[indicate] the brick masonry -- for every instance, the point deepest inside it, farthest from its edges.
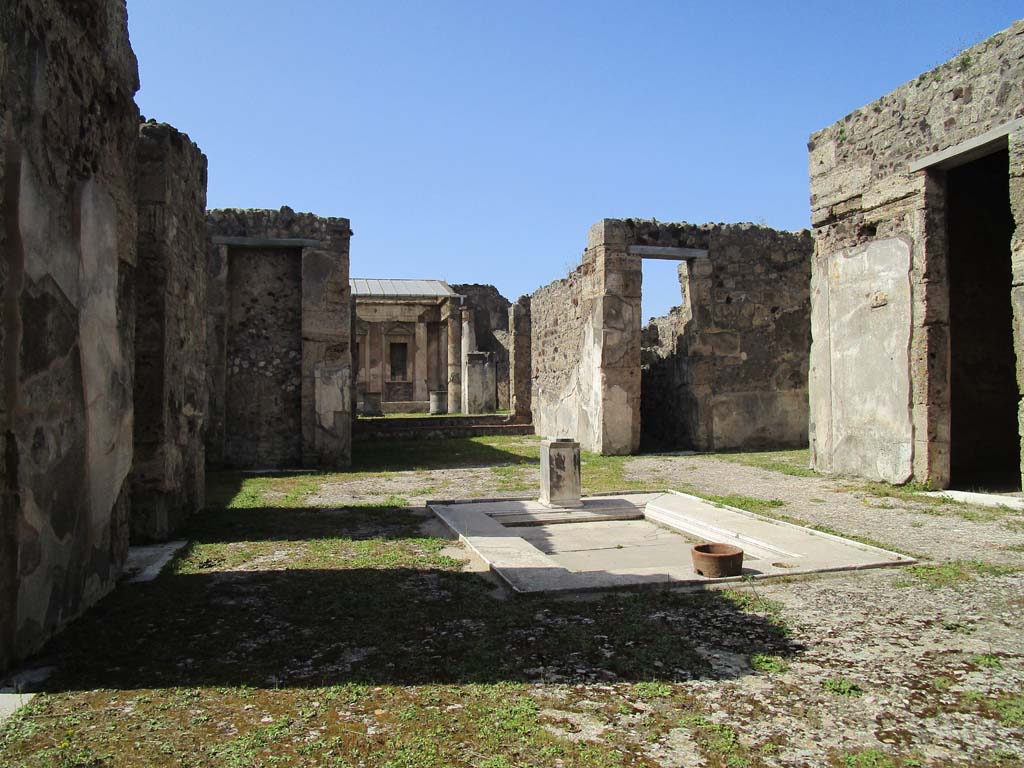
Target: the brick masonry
(168, 477)
(67, 264)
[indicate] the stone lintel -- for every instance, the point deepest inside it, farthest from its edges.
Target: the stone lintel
(266, 242)
(667, 253)
(966, 151)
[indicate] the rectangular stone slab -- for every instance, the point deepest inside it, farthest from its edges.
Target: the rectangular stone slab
(608, 546)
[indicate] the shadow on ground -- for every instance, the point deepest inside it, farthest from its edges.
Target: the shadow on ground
(268, 597)
(396, 455)
(391, 626)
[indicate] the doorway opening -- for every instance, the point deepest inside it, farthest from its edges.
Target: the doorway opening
(665, 407)
(984, 431)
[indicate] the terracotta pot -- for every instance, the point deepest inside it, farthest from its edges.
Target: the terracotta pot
(715, 561)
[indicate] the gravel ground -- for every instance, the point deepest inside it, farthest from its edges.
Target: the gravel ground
(416, 488)
(894, 670)
(886, 668)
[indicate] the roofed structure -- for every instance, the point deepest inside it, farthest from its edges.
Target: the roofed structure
(400, 289)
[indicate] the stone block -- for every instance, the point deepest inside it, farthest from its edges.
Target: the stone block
(607, 232)
(479, 385)
(560, 473)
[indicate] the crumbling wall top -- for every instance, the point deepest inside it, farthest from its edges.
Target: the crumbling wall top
(282, 223)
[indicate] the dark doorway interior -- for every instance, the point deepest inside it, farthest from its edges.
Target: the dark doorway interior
(985, 440)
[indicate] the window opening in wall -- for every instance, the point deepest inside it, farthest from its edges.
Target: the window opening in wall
(661, 288)
(399, 355)
(984, 432)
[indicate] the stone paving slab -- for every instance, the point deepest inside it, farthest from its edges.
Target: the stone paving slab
(145, 563)
(17, 690)
(599, 554)
(12, 702)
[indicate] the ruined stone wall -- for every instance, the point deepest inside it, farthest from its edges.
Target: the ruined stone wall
(270, 273)
(564, 397)
(168, 476)
(879, 380)
(585, 344)
(490, 319)
(728, 369)
(67, 257)
(520, 364)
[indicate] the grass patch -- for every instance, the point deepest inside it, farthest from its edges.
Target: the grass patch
(604, 474)
(952, 573)
(749, 600)
(841, 686)
(485, 451)
(427, 415)
(717, 741)
(875, 758)
(938, 505)
(749, 503)
(793, 463)
(767, 663)
(1009, 709)
(510, 478)
(649, 689)
(987, 661)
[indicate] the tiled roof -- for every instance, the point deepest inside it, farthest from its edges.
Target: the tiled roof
(400, 288)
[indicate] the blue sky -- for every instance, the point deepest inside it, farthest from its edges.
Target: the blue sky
(478, 141)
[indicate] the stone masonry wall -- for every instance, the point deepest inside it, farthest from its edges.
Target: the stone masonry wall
(490, 315)
(168, 476)
(728, 369)
(564, 396)
(254, 259)
(264, 356)
(879, 379)
(67, 258)
(586, 348)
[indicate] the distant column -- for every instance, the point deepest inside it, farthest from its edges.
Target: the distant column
(454, 357)
(419, 367)
(468, 345)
